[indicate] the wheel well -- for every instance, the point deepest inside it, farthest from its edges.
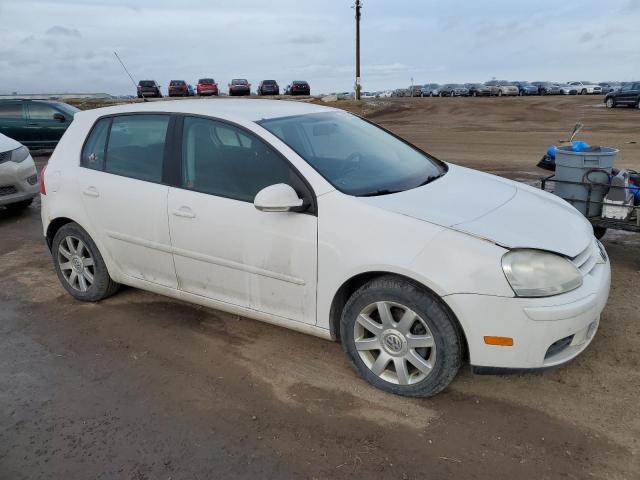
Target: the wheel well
(354, 283)
(53, 228)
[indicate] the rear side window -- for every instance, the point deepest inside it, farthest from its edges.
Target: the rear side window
(223, 160)
(41, 111)
(136, 146)
(94, 147)
(11, 110)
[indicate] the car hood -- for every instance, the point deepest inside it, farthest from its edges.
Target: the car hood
(7, 144)
(508, 213)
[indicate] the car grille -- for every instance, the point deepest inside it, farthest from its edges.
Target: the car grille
(5, 156)
(7, 190)
(588, 258)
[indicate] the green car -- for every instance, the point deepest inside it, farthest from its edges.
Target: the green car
(35, 123)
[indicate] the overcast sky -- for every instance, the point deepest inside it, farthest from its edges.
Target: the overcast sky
(67, 45)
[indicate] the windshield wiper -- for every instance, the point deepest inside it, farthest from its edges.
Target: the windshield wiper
(382, 191)
(431, 179)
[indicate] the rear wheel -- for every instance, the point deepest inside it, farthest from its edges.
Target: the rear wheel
(400, 338)
(499, 93)
(610, 103)
(583, 91)
(79, 265)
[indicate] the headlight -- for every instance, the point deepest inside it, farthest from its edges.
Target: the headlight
(535, 273)
(19, 154)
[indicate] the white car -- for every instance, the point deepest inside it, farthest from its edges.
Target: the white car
(583, 88)
(314, 219)
(18, 175)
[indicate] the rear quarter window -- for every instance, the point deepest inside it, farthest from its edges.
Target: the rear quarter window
(93, 151)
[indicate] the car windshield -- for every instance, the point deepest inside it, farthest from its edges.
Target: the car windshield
(239, 82)
(299, 82)
(269, 82)
(70, 109)
(147, 83)
(206, 80)
(176, 82)
(355, 156)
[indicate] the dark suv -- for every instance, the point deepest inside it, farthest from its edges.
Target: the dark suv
(35, 123)
(268, 87)
(628, 95)
(149, 88)
(299, 87)
(178, 88)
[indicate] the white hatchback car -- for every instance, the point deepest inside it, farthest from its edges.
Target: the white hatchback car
(320, 221)
(18, 175)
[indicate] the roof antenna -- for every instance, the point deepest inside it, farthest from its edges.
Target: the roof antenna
(132, 80)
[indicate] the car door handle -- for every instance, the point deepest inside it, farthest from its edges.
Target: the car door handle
(91, 192)
(184, 212)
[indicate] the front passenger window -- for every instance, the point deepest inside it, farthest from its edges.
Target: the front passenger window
(223, 160)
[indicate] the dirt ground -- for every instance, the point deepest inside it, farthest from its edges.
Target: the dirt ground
(144, 387)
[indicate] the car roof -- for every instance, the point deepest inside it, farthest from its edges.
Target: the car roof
(224, 108)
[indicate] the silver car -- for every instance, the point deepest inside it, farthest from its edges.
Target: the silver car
(18, 175)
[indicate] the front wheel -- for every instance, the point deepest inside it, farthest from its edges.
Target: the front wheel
(79, 265)
(584, 91)
(401, 338)
(610, 103)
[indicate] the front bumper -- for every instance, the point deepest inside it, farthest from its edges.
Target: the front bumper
(546, 332)
(18, 181)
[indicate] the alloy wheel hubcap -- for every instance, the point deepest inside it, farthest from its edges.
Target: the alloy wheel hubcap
(395, 343)
(76, 263)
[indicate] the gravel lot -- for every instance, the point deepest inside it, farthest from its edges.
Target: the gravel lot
(144, 387)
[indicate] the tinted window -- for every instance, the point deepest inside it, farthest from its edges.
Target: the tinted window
(93, 151)
(136, 146)
(223, 160)
(11, 110)
(177, 83)
(41, 111)
(147, 83)
(206, 80)
(357, 157)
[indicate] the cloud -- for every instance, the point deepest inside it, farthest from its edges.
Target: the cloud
(57, 30)
(632, 6)
(586, 37)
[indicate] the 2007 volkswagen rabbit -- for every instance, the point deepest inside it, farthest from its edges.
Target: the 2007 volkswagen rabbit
(314, 219)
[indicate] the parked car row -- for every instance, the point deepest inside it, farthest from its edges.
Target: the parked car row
(208, 87)
(504, 88)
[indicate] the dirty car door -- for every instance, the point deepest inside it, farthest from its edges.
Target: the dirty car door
(224, 248)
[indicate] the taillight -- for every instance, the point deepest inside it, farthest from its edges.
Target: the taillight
(43, 188)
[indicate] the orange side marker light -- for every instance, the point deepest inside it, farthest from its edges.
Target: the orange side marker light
(499, 341)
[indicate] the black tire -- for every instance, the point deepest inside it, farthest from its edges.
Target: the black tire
(103, 286)
(443, 326)
(19, 205)
(610, 102)
(583, 92)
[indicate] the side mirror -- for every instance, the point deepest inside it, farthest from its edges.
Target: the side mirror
(60, 117)
(279, 198)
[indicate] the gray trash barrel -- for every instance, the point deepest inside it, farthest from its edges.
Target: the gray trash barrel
(576, 167)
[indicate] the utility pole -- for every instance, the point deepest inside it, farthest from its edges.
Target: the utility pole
(358, 6)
